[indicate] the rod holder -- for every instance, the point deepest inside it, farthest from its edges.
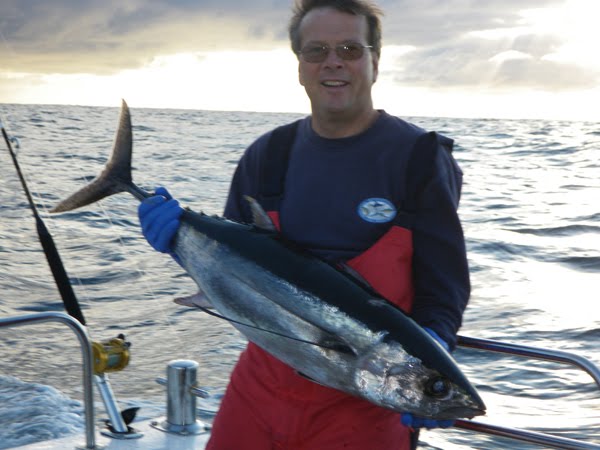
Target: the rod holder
(181, 399)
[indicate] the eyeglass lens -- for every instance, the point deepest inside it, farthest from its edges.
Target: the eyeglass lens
(318, 53)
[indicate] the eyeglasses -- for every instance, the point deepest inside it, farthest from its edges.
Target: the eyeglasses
(316, 53)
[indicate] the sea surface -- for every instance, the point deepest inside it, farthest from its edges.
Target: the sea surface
(531, 215)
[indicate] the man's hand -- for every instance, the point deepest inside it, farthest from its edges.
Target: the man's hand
(437, 337)
(159, 217)
(411, 421)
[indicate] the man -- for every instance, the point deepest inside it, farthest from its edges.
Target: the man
(353, 185)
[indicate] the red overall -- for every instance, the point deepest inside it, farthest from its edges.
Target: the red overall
(269, 406)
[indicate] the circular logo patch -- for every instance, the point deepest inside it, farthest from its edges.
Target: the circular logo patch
(377, 210)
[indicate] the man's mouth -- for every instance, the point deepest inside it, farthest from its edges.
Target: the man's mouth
(334, 83)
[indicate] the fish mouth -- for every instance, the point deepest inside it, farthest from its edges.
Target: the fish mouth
(461, 412)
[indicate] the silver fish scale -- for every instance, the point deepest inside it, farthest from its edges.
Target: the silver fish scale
(377, 368)
(220, 265)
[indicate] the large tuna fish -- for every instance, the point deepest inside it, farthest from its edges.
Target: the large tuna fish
(325, 323)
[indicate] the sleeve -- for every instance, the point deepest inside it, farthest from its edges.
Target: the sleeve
(245, 181)
(440, 266)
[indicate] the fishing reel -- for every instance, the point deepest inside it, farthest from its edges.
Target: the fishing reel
(111, 355)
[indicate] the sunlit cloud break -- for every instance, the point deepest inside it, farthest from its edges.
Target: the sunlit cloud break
(521, 59)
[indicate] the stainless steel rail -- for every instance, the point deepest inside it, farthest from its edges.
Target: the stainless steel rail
(533, 352)
(532, 437)
(86, 352)
(547, 440)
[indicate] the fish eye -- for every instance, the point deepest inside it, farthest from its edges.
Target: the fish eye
(438, 388)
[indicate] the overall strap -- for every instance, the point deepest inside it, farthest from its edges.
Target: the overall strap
(274, 166)
(419, 171)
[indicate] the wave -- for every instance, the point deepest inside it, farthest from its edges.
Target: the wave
(136, 128)
(582, 263)
(31, 412)
(591, 218)
(567, 230)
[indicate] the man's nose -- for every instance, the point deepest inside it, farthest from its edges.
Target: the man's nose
(333, 59)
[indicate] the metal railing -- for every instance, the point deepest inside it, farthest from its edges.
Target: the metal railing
(543, 354)
(86, 352)
(543, 439)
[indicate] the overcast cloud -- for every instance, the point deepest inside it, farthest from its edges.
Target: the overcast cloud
(101, 36)
(452, 43)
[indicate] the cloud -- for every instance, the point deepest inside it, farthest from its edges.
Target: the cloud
(427, 22)
(453, 43)
(492, 46)
(509, 55)
(95, 36)
(475, 63)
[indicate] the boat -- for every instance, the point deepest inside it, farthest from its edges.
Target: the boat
(181, 429)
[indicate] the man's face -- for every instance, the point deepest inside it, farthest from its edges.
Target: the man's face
(337, 86)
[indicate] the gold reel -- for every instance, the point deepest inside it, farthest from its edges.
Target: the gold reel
(111, 355)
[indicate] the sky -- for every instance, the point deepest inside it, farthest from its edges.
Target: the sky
(445, 58)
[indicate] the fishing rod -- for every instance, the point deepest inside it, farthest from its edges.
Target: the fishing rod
(108, 356)
(54, 261)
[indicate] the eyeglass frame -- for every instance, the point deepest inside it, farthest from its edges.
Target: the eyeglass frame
(338, 48)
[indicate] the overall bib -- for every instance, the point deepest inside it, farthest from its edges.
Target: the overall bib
(268, 405)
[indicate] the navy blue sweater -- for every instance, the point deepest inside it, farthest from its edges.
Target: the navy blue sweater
(327, 181)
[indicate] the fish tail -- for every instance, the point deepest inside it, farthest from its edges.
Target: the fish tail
(116, 176)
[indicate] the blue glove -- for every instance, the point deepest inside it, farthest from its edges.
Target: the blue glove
(437, 337)
(408, 420)
(159, 217)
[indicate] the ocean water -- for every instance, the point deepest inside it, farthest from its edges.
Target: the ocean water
(530, 210)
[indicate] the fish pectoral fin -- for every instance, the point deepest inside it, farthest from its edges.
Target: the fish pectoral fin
(336, 344)
(197, 300)
(259, 215)
(306, 377)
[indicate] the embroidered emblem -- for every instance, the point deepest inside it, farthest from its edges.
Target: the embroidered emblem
(377, 210)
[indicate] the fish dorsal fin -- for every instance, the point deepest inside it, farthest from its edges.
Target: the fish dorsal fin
(260, 217)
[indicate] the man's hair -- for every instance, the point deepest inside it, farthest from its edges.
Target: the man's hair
(354, 7)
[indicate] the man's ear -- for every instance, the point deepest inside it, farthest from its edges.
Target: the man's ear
(300, 77)
(375, 63)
